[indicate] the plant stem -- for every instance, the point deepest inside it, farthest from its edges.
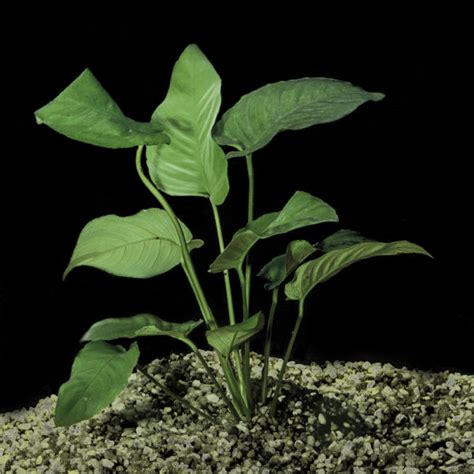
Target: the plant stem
(287, 357)
(268, 341)
(180, 399)
(186, 259)
(230, 302)
(239, 403)
(214, 380)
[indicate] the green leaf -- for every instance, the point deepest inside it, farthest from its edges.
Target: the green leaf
(84, 111)
(321, 269)
(99, 373)
(287, 105)
(138, 325)
(278, 269)
(193, 164)
(139, 246)
(341, 239)
(228, 338)
(300, 211)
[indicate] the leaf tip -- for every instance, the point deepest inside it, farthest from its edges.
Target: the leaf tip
(376, 96)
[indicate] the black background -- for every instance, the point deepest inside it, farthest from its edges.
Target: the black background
(396, 169)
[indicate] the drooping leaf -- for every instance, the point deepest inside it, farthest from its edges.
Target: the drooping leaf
(341, 239)
(138, 325)
(99, 373)
(301, 210)
(279, 268)
(316, 271)
(287, 105)
(139, 246)
(84, 111)
(193, 164)
(228, 338)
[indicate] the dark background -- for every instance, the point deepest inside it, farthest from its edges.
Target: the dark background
(393, 170)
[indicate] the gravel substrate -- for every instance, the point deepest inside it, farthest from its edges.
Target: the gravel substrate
(352, 417)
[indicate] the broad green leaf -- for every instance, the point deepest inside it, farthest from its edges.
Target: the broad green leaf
(139, 246)
(321, 269)
(138, 325)
(341, 239)
(99, 373)
(193, 164)
(300, 211)
(287, 105)
(84, 111)
(278, 269)
(228, 338)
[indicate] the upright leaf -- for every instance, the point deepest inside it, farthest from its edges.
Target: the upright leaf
(138, 325)
(99, 373)
(300, 211)
(192, 164)
(228, 338)
(84, 111)
(287, 105)
(321, 269)
(279, 268)
(139, 246)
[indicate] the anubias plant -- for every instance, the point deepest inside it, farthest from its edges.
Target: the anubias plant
(184, 157)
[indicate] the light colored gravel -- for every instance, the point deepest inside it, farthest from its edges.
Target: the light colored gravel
(353, 417)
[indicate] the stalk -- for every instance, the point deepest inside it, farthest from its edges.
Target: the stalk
(188, 266)
(268, 341)
(230, 302)
(287, 358)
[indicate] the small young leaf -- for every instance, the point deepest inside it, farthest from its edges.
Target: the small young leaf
(139, 246)
(287, 105)
(228, 338)
(322, 268)
(341, 239)
(278, 269)
(301, 210)
(99, 373)
(84, 111)
(193, 164)
(138, 325)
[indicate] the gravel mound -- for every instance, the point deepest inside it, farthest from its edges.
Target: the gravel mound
(354, 417)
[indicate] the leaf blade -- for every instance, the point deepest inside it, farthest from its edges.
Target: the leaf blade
(226, 339)
(138, 325)
(319, 270)
(286, 105)
(99, 373)
(301, 210)
(85, 112)
(139, 246)
(192, 164)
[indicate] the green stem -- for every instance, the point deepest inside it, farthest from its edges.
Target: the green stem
(186, 259)
(287, 358)
(230, 302)
(268, 341)
(180, 399)
(219, 387)
(188, 266)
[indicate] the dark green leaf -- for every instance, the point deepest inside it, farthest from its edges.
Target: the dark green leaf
(138, 325)
(228, 338)
(321, 269)
(279, 268)
(287, 105)
(99, 373)
(84, 111)
(300, 211)
(192, 164)
(139, 246)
